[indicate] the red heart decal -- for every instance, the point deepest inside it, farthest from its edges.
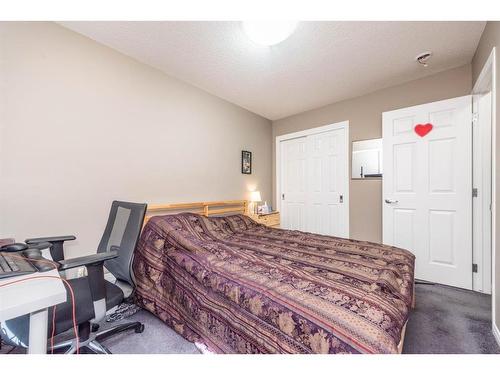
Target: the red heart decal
(423, 129)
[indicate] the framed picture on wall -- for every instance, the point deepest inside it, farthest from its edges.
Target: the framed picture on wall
(246, 162)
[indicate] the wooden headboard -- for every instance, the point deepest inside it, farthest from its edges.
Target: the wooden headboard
(203, 208)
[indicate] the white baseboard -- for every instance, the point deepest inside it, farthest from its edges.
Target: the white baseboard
(496, 333)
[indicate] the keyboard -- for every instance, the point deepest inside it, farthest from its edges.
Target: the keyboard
(14, 265)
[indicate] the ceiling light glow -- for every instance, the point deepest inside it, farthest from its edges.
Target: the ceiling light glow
(268, 33)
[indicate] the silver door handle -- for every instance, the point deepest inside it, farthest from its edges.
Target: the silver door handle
(391, 201)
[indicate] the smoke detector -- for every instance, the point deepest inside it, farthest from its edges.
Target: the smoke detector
(423, 58)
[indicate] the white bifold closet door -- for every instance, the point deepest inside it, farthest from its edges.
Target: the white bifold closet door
(427, 188)
(314, 183)
(294, 184)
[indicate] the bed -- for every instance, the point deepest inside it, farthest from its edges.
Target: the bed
(237, 286)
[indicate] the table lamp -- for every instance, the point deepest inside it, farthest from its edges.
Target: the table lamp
(254, 198)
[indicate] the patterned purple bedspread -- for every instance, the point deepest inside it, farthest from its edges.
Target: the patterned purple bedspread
(241, 287)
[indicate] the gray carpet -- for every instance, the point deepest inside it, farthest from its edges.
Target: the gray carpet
(445, 320)
(450, 320)
(156, 338)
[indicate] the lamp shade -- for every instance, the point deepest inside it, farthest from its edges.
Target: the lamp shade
(255, 196)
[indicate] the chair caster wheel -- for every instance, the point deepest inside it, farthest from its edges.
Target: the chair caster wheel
(140, 329)
(94, 327)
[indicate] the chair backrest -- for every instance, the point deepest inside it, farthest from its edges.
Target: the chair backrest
(122, 230)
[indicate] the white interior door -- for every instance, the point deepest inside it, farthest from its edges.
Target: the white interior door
(427, 188)
(314, 182)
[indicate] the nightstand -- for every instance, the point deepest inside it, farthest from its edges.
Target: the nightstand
(271, 219)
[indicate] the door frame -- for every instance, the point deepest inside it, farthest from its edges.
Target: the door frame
(487, 78)
(482, 255)
(303, 133)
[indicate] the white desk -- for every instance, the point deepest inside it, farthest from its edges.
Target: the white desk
(32, 297)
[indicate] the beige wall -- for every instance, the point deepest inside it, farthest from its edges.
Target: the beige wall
(81, 125)
(365, 121)
(490, 39)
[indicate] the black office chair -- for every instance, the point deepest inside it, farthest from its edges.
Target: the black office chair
(94, 296)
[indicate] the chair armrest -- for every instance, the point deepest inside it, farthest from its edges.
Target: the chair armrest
(50, 239)
(88, 260)
(56, 245)
(95, 270)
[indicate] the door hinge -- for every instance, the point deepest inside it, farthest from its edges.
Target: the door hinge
(283, 196)
(474, 192)
(474, 117)
(474, 267)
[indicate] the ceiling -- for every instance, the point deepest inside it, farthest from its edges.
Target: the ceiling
(320, 63)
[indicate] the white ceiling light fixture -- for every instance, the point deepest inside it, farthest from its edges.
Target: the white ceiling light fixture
(269, 33)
